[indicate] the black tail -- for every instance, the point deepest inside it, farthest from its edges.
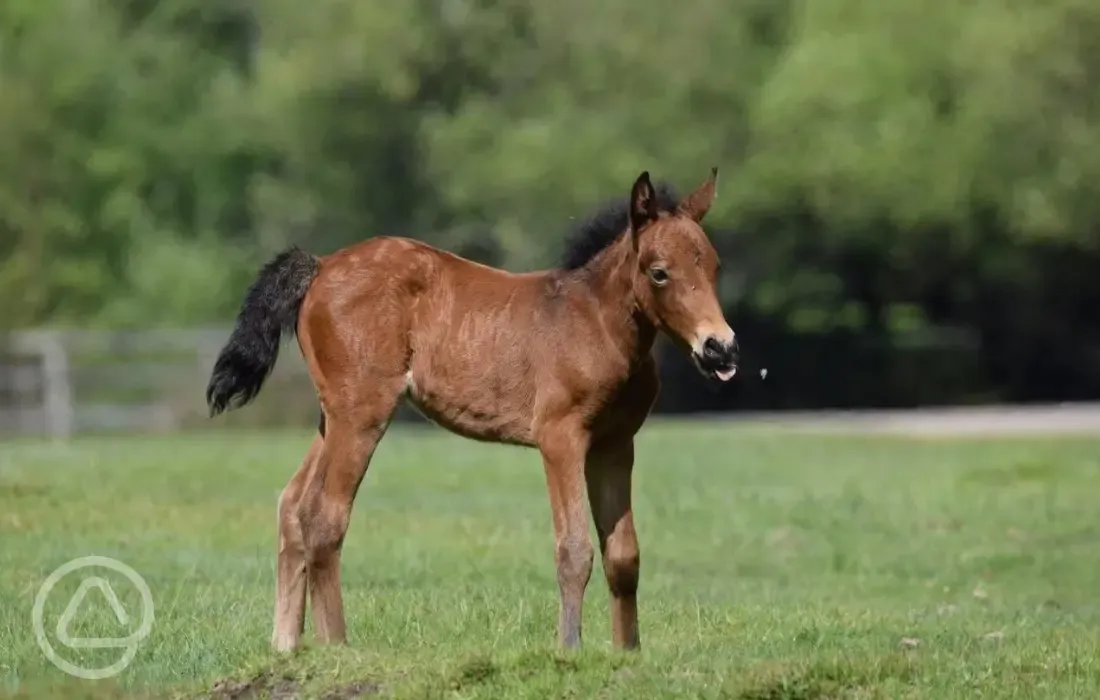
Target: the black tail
(270, 308)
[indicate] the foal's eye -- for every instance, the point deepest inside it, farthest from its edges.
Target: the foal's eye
(659, 275)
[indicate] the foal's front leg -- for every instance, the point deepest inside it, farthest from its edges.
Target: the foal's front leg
(563, 459)
(608, 471)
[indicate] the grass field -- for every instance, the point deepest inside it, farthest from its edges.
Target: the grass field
(774, 566)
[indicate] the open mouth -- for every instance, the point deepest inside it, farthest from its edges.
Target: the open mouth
(722, 373)
(725, 374)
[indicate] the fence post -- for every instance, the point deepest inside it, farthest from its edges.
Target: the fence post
(58, 402)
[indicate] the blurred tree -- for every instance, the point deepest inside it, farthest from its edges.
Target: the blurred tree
(908, 202)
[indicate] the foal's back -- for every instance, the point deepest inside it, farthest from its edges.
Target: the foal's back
(477, 349)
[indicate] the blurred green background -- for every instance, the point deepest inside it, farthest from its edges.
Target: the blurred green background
(908, 208)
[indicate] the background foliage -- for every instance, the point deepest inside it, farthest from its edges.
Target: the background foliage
(908, 208)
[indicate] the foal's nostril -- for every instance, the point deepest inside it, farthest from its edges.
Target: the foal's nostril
(717, 353)
(712, 349)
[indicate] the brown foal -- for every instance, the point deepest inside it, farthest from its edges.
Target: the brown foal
(559, 360)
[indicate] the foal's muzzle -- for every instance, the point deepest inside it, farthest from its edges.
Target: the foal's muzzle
(717, 359)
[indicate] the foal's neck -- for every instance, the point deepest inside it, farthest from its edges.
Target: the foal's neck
(611, 279)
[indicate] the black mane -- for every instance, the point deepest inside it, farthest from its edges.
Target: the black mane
(600, 230)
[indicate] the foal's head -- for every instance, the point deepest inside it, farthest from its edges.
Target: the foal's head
(675, 279)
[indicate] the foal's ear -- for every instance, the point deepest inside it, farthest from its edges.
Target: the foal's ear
(643, 203)
(698, 203)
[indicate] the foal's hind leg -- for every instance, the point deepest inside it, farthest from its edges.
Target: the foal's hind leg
(290, 581)
(608, 471)
(324, 510)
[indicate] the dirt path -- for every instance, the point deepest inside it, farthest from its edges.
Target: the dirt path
(1059, 419)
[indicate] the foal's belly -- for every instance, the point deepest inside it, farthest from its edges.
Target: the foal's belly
(478, 410)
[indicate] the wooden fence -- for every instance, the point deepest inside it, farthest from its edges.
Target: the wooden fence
(61, 383)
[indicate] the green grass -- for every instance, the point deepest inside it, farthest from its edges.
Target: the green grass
(774, 566)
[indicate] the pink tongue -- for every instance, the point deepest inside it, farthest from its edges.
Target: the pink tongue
(726, 374)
